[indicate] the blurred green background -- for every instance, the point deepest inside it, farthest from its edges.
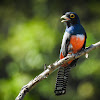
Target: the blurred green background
(31, 35)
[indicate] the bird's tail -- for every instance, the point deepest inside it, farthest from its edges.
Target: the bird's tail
(61, 81)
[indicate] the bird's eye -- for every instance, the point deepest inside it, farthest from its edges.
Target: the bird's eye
(72, 16)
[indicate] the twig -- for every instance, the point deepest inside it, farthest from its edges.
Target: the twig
(25, 89)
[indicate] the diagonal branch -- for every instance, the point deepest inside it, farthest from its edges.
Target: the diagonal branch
(25, 89)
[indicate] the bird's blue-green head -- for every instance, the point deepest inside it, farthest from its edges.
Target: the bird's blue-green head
(70, 18)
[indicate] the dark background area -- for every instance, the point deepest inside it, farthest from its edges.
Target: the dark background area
(30, 36)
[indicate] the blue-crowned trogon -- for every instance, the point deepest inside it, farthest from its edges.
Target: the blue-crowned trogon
(74, 40)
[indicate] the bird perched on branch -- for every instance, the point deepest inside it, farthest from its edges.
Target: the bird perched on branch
(74, 40)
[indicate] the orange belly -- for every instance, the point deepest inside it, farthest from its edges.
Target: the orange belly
(77, 42)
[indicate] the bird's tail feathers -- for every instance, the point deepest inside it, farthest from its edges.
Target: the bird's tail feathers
(62, 80)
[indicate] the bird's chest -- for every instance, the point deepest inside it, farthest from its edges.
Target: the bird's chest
(76, 43)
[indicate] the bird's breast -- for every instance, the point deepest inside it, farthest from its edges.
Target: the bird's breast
(76, 42)
(75, 45)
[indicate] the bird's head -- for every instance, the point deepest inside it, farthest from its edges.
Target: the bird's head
(70, 18)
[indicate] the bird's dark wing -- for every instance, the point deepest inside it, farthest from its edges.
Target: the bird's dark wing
(65, 43)
(85, 41)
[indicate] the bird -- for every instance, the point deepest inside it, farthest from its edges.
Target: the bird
(74, 40)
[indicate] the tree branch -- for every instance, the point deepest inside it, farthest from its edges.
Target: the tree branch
(25, 89)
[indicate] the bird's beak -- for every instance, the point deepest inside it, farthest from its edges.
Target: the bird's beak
(64, 18)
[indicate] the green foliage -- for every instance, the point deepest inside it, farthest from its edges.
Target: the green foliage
(30, 36)
(28, 41)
